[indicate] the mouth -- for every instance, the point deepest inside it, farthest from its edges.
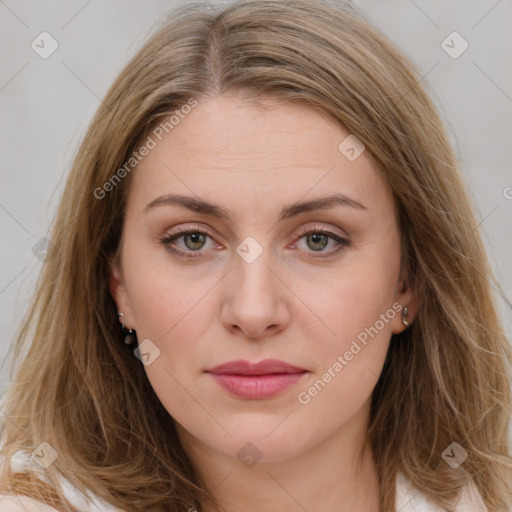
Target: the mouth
(256, 381)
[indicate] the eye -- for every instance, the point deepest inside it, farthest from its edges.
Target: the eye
(193, 240)
(318, 239)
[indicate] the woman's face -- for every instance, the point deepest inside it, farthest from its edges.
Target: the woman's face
(260, 277)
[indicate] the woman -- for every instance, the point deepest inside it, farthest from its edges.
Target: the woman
(267, 211)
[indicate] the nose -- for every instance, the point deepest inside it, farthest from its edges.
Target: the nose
(255, 299)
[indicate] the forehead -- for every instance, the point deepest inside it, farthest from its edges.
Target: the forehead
(243, 152)
(230, 128)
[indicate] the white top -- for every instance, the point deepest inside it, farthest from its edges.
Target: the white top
(22, 461)
(408, 499)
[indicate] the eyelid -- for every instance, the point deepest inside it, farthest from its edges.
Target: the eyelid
(317, 227)
(183, 230)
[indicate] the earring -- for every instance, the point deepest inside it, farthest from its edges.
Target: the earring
(130, 335)
(405, 315)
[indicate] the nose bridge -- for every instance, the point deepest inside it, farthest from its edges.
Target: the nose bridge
(254, 300)
(252, 270)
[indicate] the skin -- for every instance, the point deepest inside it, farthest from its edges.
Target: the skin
(288, 304)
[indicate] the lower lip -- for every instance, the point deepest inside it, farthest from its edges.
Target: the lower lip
(257, 386)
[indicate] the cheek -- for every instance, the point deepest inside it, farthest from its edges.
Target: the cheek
(354, 299)
(356, 306)
(170, 309)
(163, 299)
(350, 361)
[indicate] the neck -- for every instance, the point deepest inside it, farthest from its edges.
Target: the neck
(328, 476)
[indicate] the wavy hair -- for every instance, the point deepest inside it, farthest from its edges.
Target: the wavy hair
(446, 379)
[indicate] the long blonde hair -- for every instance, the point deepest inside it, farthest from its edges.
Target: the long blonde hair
(77, 387)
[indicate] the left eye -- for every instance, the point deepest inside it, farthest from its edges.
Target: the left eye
(318, 239)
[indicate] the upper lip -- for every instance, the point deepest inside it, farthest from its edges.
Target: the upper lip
(265, 367)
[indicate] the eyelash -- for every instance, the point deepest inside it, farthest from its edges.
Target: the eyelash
(342, 242)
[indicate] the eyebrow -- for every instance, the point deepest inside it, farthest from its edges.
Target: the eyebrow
(206, 208)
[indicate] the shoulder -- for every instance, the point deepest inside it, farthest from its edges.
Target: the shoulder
(21, 462)
(14, 503)
(410, 499)
(471, 500)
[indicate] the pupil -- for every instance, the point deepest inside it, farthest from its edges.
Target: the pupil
(195, 239)
(316, 238)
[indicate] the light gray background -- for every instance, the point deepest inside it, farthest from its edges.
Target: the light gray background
(46, 105)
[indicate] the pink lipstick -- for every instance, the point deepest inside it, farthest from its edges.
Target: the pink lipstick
(256, 381)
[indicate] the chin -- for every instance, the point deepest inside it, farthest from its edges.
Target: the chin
(266, 445)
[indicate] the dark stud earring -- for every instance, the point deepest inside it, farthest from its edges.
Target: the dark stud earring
(129, 334)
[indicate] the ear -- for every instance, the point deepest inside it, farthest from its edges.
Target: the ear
(118, 291)
(408, 296)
